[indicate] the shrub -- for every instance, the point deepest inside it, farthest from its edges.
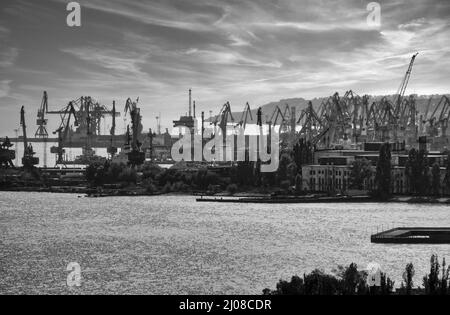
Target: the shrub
(232, 189)
(285, 185)
(128, 175)
(167, 188)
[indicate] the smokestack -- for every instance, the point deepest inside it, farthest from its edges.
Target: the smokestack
(194, 109)
(190, 103)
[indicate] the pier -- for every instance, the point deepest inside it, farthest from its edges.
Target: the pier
(285, 200)
(415, 235)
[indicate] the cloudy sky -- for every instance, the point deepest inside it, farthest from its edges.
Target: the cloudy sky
(228, 50)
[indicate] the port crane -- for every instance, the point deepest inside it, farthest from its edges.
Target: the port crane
(441, 116)
(136, 156)
(112, 149)
(88, 111)
(225, 115)
(404, 84)
(273, 120)
(310, 122)
(41, 122)
(244, 118)
(63, 132)
(29, 161)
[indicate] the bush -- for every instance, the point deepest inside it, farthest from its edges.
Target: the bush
(150, 170)
(128, 175)
(167, 188)
(232, 189)
(114, 172)
(150, 187)
(285, 185)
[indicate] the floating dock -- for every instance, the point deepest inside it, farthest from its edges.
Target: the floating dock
(285, 200)
(416, 235)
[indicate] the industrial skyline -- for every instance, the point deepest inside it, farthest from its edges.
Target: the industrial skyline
(252, 51)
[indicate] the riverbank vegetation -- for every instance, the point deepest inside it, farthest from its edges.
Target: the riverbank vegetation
(424, 180)
(351, 281)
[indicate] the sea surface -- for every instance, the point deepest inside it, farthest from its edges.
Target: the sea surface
(173, 245)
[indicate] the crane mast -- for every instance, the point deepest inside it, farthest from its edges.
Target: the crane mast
(28, 160)
(404, 84)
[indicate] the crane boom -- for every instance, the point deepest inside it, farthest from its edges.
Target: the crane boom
(24, 128)
(402, 89)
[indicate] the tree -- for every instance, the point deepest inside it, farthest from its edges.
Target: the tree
(447, 175)
(128, 175)
(282, 174)
(431, 281)
(408, 276)
(292, 172)
(303, 153)
(232, 189)
(361, 170)
(298, 184)
(417, 171)
(387, 285)
(383, 174)
(436, 179)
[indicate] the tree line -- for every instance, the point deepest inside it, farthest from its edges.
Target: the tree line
(351, 281)
(423, 179)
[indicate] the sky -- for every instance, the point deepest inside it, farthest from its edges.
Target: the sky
(255, 51)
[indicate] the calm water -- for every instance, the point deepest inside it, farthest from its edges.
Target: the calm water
(172, 245)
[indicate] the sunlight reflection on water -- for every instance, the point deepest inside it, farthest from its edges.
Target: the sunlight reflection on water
(172, 245)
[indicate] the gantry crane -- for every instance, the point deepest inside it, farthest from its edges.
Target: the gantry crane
(63, 131)
(89, 113)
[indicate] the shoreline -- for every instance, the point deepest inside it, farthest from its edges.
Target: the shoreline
(255, 198)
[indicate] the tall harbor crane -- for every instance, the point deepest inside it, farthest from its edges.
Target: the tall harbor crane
(41, 121)
(225, 116)
(112, 149)
(41, 132)
(402, 89)
(63, 132)
(136, 156)
(29, 161)
(273, 120)
(244, 118)
(310, 122)
(440, 117)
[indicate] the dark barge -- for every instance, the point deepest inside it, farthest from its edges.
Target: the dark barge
(285, 200)
(416, 235)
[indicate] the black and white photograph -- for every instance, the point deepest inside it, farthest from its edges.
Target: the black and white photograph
(225, 152)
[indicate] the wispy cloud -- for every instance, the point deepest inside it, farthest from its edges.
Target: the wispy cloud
(8, 57)
(5, 88)
(120, 62)
(226, 50)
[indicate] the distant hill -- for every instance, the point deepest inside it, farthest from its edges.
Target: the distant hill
(301, 103)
